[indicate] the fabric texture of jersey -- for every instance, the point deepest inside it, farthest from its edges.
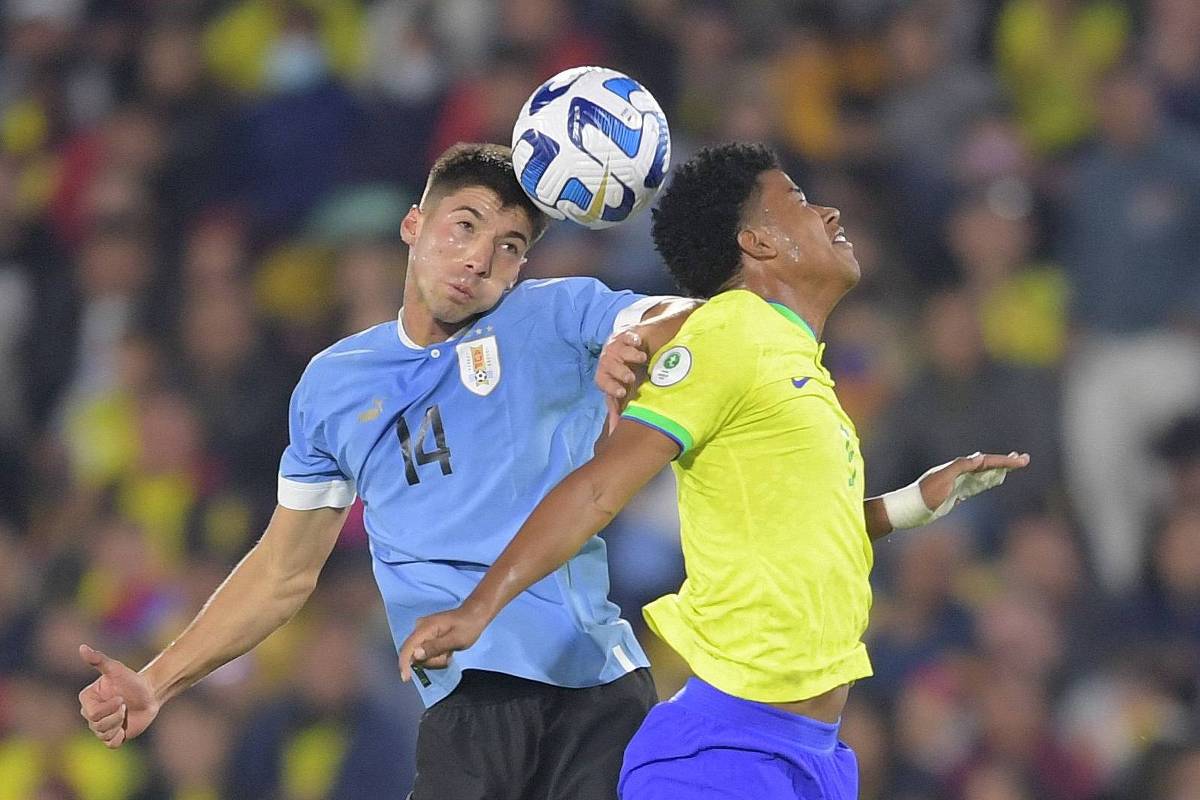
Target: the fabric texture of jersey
(451, 447)
(770, 483)
(704, 744)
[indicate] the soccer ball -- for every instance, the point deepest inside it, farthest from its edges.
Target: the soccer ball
(591, 145)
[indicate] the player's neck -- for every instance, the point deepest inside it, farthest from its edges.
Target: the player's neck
(423, 329)
(811, 304)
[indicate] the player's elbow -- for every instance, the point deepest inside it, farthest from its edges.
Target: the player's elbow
(601, 503)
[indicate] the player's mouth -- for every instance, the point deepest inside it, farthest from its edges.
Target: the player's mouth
(459, 293)
(840, 238)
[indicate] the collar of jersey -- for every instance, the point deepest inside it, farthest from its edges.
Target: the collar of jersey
(407, 341)
(792, 316)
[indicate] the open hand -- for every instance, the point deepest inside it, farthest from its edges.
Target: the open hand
(118, 705)
(966, 476)
(436, 637)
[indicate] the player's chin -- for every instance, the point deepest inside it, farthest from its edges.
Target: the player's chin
(848, 264)
(454, 311)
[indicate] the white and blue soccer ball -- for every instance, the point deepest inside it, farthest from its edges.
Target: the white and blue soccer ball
(591, 145)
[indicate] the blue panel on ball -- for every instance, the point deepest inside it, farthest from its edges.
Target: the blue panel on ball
(584, 113)
(654, 176)
(545, 95)
(622, 87)
(618, 213)
(544, 151)
(576, 193)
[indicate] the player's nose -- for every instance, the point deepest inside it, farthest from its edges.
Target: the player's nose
(830, 216)
(478, 259)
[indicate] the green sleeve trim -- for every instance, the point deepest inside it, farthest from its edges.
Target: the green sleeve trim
(664, 424)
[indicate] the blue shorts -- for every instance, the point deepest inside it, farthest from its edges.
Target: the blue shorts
(703, 743)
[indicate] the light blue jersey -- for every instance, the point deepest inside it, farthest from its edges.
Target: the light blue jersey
(451, 447)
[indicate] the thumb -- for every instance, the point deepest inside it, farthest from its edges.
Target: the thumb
(102, 663)
(613, 414)
(435, 651)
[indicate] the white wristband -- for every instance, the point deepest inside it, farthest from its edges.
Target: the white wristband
(906, 508)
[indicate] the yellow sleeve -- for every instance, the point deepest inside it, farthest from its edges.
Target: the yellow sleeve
(695, 385)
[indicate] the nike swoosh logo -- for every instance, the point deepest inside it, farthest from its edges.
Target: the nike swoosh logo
(546, 95)
(596, 209)
(799, 382)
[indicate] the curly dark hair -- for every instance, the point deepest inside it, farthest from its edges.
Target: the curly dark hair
(487, 165)
(697, 219)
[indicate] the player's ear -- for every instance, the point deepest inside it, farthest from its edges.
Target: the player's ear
(410, 226)
(755, 243)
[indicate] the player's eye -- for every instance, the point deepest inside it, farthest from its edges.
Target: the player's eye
(466, 225)
(510, 248)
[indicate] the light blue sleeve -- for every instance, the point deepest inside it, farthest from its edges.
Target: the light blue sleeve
(587, 312)
(309, 475)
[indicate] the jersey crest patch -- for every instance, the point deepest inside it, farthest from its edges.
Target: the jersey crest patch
(671, 367)
(479, 365)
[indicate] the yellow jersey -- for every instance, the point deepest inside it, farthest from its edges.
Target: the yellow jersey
(770, 482)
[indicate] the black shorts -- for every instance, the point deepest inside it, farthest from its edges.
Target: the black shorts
(498, 737)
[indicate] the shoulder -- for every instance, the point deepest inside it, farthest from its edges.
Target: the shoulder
(565, 301)
(354, 349)
(539, 296)
(729, 315)
(537, 290)
(716, 339)
(366, 341)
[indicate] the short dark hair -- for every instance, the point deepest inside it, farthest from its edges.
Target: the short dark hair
(698, 217)
(487, 165)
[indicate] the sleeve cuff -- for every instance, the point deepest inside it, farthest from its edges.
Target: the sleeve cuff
(632, 314)
(668, 427)
(308, 496)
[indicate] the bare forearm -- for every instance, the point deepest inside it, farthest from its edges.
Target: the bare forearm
(573, 512)
(262, 593)
(577, 508)
(878, 524)
(252, 603)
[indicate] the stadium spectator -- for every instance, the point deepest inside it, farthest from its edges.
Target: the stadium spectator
(1129, 244)
(191, 196)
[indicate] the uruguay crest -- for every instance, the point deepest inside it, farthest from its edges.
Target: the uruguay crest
(479, 365)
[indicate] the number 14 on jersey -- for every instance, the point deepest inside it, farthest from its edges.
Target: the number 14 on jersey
(415, 454)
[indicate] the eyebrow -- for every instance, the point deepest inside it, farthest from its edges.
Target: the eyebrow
(476, 213)
(472, 209)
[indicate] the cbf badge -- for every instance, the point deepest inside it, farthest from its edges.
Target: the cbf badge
(671, 367)
(479, 365)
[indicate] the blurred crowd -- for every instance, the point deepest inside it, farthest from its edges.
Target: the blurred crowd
(198, 195)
